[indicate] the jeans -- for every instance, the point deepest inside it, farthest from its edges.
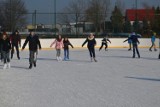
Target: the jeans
(32, 57)
(66, 53)
(6, 56)
(58, 52)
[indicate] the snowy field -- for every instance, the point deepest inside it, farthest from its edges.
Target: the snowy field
(116, 80)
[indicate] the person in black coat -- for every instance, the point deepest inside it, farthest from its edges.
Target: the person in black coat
(135, 42)
(6, 47)
(34, 43)
(15, 39)
(104, 42)
(91, 46)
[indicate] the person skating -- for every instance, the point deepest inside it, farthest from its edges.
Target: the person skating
(66, 44)
(104, 42)
(129, 42)
(34, 43)
(15, 39)
(135, 42)
(91, 46)
(58, 46)
(6, 47)
(153, 39)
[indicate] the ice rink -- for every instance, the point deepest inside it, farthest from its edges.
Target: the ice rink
(116, 80)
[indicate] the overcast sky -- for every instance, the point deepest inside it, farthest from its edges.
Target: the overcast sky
(48, 5)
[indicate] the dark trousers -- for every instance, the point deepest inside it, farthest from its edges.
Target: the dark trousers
(32, 57)
(106, 46)
(92, 52)
(12, 50)
(135, 48)
(6, 56)
(1, 54)
(153, 44)
(66, 53)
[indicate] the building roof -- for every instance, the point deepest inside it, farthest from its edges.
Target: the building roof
(141, 14)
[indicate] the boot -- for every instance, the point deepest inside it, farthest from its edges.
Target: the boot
(5, 66)
(8, 65)
(95, 59)
(34, 64)
(30, 66)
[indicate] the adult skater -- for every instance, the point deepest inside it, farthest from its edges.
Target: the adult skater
(129, 42)
(66, 44)
(6, 47)
(134, 38)
(34, 43)
(58, 46)
(153, 39)
(104, 42)
(91, 46)
(15, 39)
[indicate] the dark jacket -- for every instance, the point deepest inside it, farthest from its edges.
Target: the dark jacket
(15, 39)
(66, 44)
(33, 43)
(5, 45)
(104, 40)
(91, 42)
(134, 39)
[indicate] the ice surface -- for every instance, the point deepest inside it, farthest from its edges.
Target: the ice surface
(116, 80)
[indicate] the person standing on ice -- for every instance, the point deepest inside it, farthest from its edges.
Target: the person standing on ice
(91, 46)
(6, 47)
(104, 42)
(134, 38)
(58, 46)
(66, 43)
(34, 43)
(153, 39)
(129, 42)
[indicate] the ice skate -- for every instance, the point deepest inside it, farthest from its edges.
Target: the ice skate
(9, 65)
(5, 66)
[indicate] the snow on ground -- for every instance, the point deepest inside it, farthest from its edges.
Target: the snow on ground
(116, 80)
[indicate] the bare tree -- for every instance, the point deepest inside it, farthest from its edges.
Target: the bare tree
(13, 14)
(97, 12)
(74, 11)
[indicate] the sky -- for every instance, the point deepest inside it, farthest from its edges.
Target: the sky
(48, 5)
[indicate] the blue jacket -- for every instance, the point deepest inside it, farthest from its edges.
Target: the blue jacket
(153, 38)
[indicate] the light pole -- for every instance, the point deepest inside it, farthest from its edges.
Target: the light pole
(55, 15)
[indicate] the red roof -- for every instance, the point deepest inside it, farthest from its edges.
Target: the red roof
(141, 14)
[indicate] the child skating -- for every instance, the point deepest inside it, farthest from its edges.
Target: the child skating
(66, 44)
(104, 42)
(6, 47)
(58, 46)
(129, 42)
(91, 46)
(153, 39)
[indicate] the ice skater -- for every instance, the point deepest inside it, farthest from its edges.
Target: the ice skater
(15, 39)
(129, 42)
(34, 43)
(104, 42)
(66, 44)
(58, 46)
(6, 47)
(153, 39)
(91, 46)
(134, 38)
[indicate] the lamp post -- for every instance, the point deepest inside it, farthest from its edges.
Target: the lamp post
(136, 18)
(55, 15)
